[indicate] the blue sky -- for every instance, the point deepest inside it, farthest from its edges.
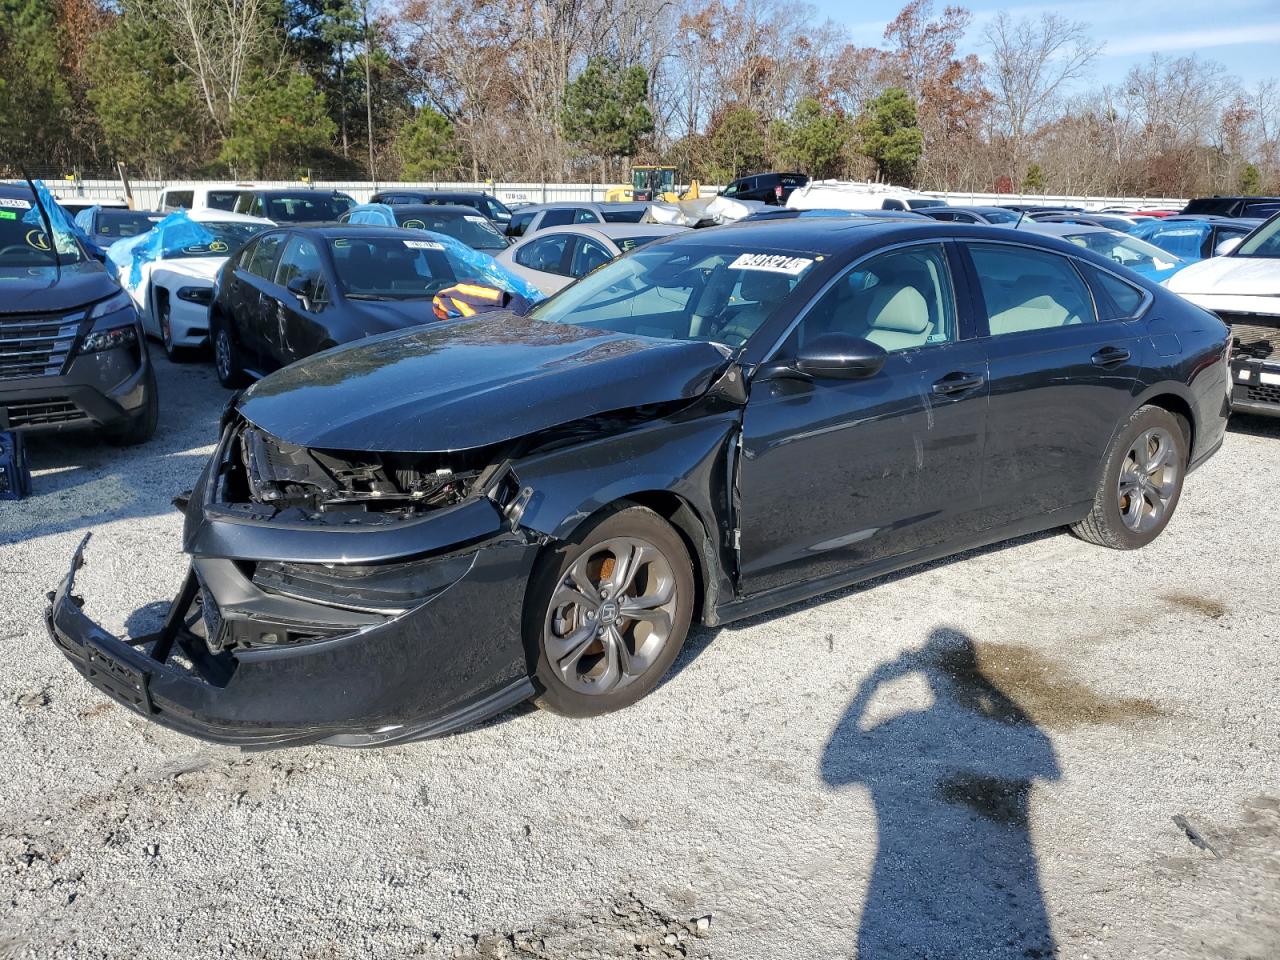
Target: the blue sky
(1242, 34)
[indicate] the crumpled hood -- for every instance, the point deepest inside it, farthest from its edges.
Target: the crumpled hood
(1234, 276)
(44, 289)
(455, 386)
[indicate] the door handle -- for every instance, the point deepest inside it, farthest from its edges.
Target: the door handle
(954, 383)
(1110, 357)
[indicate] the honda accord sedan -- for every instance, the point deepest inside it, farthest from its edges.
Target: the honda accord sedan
(398, 537)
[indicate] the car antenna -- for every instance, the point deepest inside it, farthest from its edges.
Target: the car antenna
(48, 225)
(1021, 214)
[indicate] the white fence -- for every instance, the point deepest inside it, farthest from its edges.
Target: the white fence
(146, 193)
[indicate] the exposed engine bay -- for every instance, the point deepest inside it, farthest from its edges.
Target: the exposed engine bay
(300, 483)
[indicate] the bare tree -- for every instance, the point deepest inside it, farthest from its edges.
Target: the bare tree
(1031, 62)
(217, 42)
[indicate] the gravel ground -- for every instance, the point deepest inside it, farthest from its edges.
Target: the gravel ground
(1041, 749)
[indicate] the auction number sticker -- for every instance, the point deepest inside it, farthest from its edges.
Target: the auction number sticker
(14, 203)
(471, 219)
(423, 245)
(773, 263)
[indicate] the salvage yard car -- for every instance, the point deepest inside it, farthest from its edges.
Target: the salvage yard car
(461, 223)
(291, 293)
(552, 259)
(1243, 288)
(72, 353)
(410, 534)
(170, 273)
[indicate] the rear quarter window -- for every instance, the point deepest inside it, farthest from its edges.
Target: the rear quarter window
(1116, 299)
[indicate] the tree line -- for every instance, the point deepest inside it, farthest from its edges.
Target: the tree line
(534, 90)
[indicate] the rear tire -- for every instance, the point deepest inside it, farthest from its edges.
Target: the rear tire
(607, 612)
(228, 359)
(1141, 482)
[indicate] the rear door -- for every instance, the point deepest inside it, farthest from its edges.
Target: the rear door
(1062, 381)
(838, 475)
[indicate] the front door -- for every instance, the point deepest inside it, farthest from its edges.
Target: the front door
(1062, 381)
(837, 475)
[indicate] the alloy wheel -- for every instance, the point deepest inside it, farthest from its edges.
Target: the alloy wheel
(222, 354)
(611, 615)
(1148, 479)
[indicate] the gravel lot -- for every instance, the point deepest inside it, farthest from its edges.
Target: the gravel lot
(984, 758)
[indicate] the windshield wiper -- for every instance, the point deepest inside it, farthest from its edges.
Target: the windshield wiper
(368, 296)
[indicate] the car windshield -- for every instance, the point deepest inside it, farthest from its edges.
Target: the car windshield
(475, 231)
(24, 242)
(999, 216)
(305, 207)
(1263, 242)
(682, 291)
(125, 223)
(391, 268)
(622, 214)
(1127, 251)
(227, 237)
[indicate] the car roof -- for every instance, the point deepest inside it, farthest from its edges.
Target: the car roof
(433, 209)
(205, 215)
(828, 236)
(296, 191)
(15, 191)
(143, 213)
(201, 185)
(614, 231)
(1213, 218)
(334, 231)
(969, 209)
(1064, 229)
(410, 192)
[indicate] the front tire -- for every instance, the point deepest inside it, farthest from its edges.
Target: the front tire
(228, 361)
(1141, 482)
(608, 611)
(176, 354)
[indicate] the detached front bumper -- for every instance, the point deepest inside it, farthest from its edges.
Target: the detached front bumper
(454, 658)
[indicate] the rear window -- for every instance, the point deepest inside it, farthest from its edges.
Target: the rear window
(1213, 206)
(178, 199)
(222, 199)
(622, 216)
(125, 223)
(305, 207)
(793, 180)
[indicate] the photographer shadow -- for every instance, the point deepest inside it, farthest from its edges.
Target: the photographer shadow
(956, 873)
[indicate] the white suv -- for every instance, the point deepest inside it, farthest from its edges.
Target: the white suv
(201, 196)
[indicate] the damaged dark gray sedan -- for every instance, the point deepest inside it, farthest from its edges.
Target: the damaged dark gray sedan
(409, 534)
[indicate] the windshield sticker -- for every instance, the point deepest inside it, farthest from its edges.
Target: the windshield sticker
(219, 246)
(772, 262)
(423, 245)
(13, 203)
(155, 219)
(414, 225)
(470, 219)
(37, 239)
(8, 215)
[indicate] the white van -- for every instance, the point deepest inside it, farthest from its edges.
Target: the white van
(201, 196)
(857, 195)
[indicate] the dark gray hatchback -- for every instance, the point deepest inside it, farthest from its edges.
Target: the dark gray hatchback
(72, 353)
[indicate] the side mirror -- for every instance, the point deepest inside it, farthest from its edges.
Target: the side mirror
(840, 356)
(1226, 246)
(301, 286)
(832, 356)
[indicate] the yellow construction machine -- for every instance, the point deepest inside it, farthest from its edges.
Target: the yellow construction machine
(652, 183)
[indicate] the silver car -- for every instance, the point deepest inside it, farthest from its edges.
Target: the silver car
(552, 259)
